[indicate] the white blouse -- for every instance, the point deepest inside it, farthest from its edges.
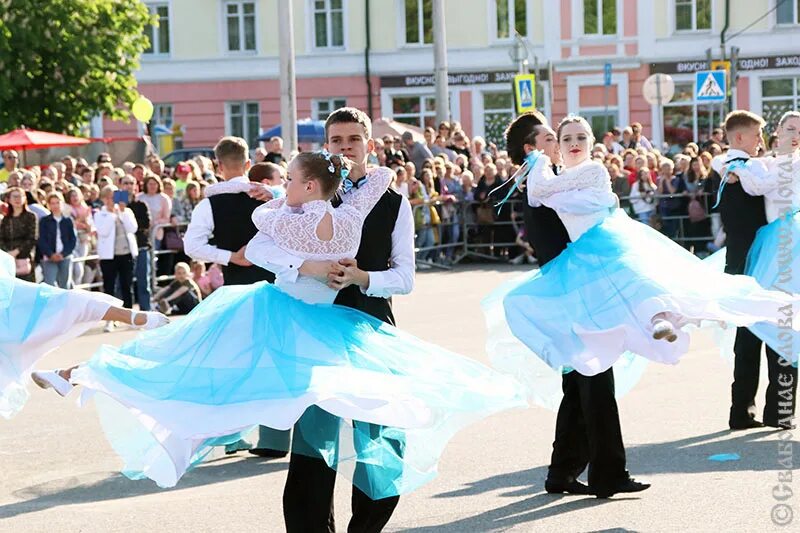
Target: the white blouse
(777, 179)
(293, 230)
(581, 195)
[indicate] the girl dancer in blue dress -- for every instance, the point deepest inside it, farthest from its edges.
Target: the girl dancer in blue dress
(37, 318)
(262, 354)
(620, 285)
(775, 251)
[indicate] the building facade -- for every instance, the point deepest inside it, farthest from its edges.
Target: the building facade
(212, 68)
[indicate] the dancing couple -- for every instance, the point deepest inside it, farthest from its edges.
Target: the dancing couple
(365, 398)
(607, 285)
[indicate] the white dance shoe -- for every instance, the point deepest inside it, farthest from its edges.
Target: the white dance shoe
(664, 330)
(51, 379)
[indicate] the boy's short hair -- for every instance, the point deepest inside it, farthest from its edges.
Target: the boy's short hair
(518, 134)
(349, 115)
(741, 118)
(54, 194)
(232, 151)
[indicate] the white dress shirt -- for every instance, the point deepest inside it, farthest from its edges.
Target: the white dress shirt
(200, 231)
(59, 242)
(398, 279)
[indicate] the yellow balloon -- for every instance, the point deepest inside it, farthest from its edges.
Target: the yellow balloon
(142, 109)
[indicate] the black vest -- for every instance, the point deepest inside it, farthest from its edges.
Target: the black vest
(374, 255)
(233, 228)
(742, 216)
(545, 232)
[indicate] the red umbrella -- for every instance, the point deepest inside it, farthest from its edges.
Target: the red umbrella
(25, 139)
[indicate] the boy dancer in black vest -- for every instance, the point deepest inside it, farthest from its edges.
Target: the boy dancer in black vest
(587, 426)
(742, 216)
(220, 229)
(383, 266)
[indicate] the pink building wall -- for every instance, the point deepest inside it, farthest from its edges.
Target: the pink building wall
(638, 108)
(629, 20)
(465, 102)
(200, 106)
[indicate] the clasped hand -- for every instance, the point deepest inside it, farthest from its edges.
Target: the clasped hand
(337, 274)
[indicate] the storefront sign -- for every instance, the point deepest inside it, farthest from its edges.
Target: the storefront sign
(744, 64)
(453, 78)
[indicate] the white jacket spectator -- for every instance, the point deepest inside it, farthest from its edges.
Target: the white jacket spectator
(105, 222)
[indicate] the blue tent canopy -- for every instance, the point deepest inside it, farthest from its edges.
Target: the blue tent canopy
(308, 131)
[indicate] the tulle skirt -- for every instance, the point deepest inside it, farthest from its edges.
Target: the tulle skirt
(595, 301)
(384, 402)
(542, 383)
(774, 261)
(35, 319)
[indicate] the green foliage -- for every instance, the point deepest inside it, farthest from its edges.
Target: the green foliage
(61, 61)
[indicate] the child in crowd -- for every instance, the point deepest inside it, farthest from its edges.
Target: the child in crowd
(180, 296)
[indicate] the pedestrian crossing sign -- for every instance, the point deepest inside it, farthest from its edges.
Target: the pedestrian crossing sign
(711, 86)
(525, 92)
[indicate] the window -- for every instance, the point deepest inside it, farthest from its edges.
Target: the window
(511, 18)
(323, 108)
(244, 121)
(788, 11)
(415, 110)
(601, 120)
(328, 24)
(778, 95)
(162, 115)
(161, 128)
(158, 35)
(599, 17)
(692, 15)
(419, 21)
(498, 111)
(240, 19)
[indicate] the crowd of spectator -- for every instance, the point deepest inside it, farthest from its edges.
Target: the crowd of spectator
(75, 223)
(450, 178)
(96, 224)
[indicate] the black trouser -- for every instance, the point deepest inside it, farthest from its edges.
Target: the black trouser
(185, 303)
(782, 387)
(588, 432)
(308, 494)
(120, 267)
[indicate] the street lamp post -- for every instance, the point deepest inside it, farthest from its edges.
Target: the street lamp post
(287, 78)
(440, 63)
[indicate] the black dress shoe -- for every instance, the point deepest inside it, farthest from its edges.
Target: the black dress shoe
(266, 452)
(746, 424)
(780, 425)
(570, 487)
(629, 485)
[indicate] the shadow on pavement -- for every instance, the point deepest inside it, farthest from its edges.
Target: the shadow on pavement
(73, 490)
(689, 455)
(519, 512)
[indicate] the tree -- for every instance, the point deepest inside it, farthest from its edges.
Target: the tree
(62, 61)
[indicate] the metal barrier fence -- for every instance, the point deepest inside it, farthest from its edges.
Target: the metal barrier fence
(481, 235)
(469, 229)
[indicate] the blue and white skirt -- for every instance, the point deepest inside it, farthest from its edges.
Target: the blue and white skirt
(774, 261)
(35, 319)
(378, 400)
(595, 301)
